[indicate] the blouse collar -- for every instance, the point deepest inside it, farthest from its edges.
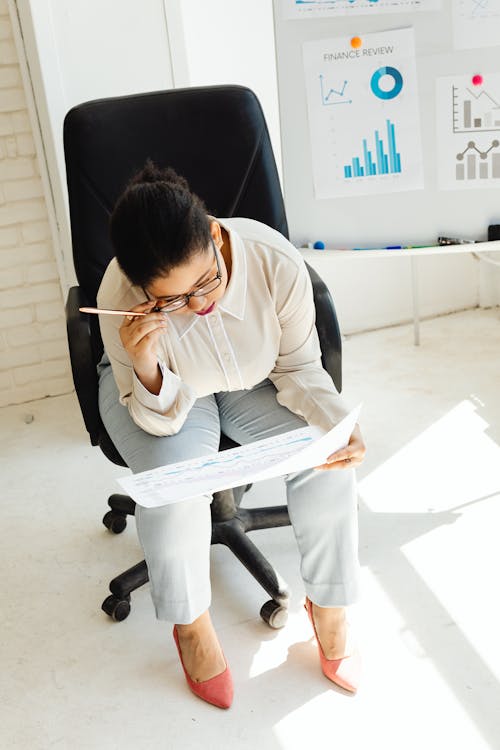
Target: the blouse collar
(233, 301)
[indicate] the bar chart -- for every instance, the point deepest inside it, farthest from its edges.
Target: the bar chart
(476, 164)
(363, 115)
(474, 112)
(468, 131)
(378, 160)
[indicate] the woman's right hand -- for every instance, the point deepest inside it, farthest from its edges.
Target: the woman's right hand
(139, 336)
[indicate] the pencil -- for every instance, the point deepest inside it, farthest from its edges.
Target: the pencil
(98, 311)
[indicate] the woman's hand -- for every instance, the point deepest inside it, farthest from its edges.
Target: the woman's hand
(139, 336)
(350, 456)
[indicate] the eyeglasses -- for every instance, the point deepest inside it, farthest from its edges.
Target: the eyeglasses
(169, 304)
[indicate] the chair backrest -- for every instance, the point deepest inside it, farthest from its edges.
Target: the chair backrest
(215, 136)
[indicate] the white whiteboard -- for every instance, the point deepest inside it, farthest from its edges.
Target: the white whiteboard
(413, 217)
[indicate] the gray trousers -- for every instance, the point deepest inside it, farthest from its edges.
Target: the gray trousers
(176, 538)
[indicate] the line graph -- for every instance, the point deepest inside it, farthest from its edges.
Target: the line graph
(468, 131)
(373, 144)
(478, 6)
(475, 163)
(283, 454)
(230, 462)
(325, 97)
(474, 112)
(476, 23)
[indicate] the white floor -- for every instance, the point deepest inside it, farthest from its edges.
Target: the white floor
(428, 622)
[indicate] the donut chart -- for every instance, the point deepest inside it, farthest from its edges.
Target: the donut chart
(397, 82)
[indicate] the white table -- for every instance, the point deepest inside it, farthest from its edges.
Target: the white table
(476, 248)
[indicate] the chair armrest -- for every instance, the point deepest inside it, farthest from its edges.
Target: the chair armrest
(83, 365)
(328, 328)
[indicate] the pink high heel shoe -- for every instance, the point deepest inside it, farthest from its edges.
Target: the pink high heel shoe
(344, 672)
(217, 690)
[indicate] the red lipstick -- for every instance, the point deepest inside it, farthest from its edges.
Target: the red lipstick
(207, 310)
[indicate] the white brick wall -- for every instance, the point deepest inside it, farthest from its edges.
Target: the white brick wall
(33, 350)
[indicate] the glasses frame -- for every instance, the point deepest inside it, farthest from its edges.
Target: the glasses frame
(201, 292)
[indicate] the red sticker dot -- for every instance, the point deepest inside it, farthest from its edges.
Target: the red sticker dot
(477, 80)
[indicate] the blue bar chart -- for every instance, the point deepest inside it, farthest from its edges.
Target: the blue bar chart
(381, 159)
(372, 145)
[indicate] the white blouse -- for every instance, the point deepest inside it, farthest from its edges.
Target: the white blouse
(263, 327)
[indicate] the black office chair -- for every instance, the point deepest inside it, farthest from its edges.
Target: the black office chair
(217, 138)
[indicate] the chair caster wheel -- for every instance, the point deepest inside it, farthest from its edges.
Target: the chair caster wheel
(115, 521)
(118, 609)
(274, 614)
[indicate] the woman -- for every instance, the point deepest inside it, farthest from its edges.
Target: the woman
(229, 343)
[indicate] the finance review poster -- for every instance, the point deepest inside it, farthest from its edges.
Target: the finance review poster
(363, 112)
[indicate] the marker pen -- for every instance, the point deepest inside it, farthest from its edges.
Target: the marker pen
(455, 241)
(391, 247)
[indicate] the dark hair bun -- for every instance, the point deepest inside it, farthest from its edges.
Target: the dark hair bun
(150, 173)
(157, 224)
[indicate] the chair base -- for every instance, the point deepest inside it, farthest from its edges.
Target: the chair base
(230, 525)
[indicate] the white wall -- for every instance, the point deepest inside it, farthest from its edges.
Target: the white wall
(375, 292)
(228, 41)
(489, 280)
(78, 51)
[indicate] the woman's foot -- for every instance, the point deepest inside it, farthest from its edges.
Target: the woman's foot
(201, 652)
(203, 662)
(331, 629)
(339, 661)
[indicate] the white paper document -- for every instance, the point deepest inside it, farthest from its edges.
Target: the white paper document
(476, 23)
(364, 120)
(273, 457)
(305, 9)
(468, 132)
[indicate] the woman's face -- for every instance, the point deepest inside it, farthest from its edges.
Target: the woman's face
(203, 279)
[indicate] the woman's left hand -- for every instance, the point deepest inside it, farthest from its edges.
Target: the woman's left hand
(350, 456)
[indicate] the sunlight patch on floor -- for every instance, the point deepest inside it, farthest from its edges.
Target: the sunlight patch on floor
(274, 652)
(453, 461)
(463, 575)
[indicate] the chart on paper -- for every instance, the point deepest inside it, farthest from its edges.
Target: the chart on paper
(363, 114)
(282, 454)
(476, 23)
(475, 111)
(468, 132)
(304, 9)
